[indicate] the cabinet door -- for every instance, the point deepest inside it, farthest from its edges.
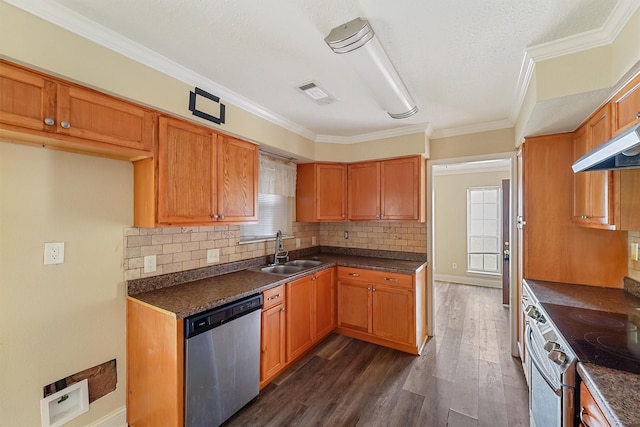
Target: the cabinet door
(364, 191)
(325, 303)
(590, 413)
(299, 317)
(400, 189)
(331, 185)
(27, 99)
(626, 107)
(237, 180)
(394, 314)
(354, 306)
(599, 130)
(186, 190)
(582, 180)
(89, 115)
(272, 359)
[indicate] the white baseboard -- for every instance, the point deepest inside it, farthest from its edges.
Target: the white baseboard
(475, 281)
(117, 418)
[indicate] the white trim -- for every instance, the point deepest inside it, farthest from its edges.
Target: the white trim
(475, 128)
(468, 281)
(117, 418)
(372, 136)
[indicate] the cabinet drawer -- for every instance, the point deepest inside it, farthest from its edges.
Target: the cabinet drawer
(377, 277)
(272, 297)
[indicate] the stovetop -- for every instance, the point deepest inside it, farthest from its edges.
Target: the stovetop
(599, 337)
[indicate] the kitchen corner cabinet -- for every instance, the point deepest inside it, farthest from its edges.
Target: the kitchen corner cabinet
(39, 109)
(203, 178)
(383, 308)
(310, 311)
(155, 363)
(590, 414)
(387, 190)
(321, 192)
(273, 334)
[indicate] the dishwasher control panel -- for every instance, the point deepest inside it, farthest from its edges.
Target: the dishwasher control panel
(202, 322)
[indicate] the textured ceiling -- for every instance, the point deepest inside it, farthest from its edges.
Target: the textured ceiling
(460, 59)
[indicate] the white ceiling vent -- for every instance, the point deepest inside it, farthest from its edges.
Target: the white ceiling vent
(315, 92)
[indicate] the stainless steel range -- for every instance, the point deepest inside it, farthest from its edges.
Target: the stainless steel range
(552, 371)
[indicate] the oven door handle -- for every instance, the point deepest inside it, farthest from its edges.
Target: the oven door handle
(533, 354)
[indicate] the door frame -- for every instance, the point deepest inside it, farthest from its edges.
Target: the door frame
(513, 294)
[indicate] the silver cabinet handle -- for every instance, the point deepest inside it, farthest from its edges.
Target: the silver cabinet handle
(273, 297)
(65, 124)
(354, 274)
(49, 121)
(583, 412)
(390, 279)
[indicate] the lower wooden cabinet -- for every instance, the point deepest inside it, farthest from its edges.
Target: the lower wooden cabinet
(273, 335)
(590, 414)
(383, 308)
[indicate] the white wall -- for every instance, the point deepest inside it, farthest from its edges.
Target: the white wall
(57, 320)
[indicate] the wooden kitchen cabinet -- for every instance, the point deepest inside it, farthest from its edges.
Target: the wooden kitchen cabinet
(626, 107)
(310, 311)
(593, 193)
(203, 178)
(590, 414)
(321, 192)
(383, 308)
(39, 109)
(273, 334)
(387, 190)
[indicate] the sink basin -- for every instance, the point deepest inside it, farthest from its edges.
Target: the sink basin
(304, 263)
(282, 269)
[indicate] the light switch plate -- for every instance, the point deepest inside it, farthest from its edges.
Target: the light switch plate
(297, 243)
(634, 251)
(314, 240)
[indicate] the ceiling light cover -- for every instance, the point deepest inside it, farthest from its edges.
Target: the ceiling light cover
(368, 58)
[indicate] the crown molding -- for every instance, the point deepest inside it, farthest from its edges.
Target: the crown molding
(475, 128)
(372, 136)
(616, 21)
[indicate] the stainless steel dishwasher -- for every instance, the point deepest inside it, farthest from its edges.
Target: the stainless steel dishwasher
(222, 361)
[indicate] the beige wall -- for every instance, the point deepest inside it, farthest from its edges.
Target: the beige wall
(57, 320)
(450, 224)
(386, 148)
(476, 144)
(384, 235)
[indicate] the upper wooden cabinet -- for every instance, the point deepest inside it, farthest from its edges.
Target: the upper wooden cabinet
(202, 178)
(626, 106)
(321, 192)
(593, 194)
(35, 108)
(364, 191)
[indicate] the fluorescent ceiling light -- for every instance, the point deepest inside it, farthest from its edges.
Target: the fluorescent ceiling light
(357, 40)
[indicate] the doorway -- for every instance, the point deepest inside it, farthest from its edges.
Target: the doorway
(464, 173)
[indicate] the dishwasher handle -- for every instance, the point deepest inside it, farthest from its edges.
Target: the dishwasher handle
(205, 321)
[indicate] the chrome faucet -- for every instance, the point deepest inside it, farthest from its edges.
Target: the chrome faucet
(280, 254)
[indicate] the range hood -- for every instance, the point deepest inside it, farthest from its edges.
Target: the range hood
(621, 152)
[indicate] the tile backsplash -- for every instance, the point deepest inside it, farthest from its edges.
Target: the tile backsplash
(185, 248)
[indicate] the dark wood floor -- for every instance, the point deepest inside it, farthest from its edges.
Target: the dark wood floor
(464, 377)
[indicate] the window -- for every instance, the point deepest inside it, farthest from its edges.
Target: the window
(483, 230)
(276, 189)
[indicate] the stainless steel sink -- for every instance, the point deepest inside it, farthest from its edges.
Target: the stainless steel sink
(304, 263)
(282, 269)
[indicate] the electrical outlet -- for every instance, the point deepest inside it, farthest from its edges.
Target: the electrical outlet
(213, 255)
(149, 264)
(297, 243)
(346, 234)
(53, 253)
(454, 265)
(314, 240)
(634, 252)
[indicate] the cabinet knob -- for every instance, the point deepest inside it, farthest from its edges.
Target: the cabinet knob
(368, 289)
(343, 216)
(222, 216)
(373, 289)
(49, 121)
(65, 124)
(282, 309)
(584, 217)
(215, 216)
(638, 115)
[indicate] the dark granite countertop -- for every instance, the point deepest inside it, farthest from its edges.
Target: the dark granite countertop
(192, 297)
(616, 392)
